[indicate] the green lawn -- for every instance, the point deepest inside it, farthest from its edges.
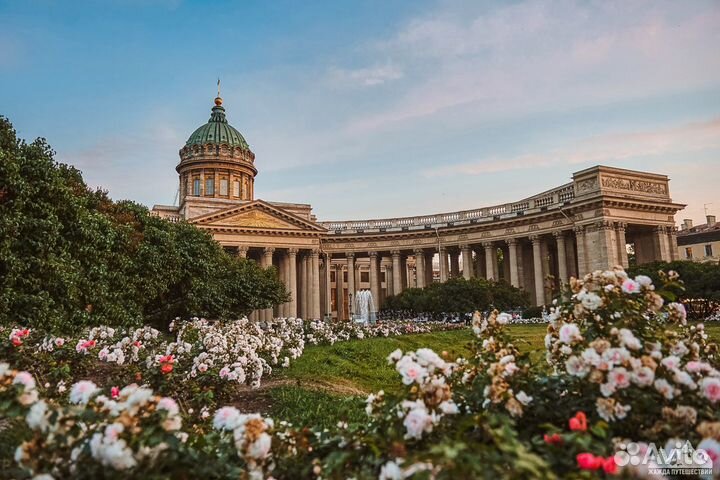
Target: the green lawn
(329, 383)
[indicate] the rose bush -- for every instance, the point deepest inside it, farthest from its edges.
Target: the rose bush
(623, 367)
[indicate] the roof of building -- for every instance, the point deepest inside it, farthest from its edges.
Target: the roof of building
(217, 131)
(699, 234)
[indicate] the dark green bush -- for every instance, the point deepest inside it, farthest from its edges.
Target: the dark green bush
(459, 295)
(701, 284)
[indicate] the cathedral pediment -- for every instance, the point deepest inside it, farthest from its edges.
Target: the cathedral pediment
(257, 215)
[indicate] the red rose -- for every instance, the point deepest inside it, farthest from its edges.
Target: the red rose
(610, 466)
(588, 461)
(578, 422)
(553, 439)
(166, 368)
(16, 341)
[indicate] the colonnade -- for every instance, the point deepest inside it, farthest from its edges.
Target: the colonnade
(321, 283)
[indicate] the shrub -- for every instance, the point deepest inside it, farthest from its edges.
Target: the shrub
(458, 295)
(700, 287)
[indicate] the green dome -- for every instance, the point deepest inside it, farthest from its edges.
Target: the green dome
(217, 131)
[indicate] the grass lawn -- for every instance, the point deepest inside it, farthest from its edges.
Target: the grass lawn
(329, 383)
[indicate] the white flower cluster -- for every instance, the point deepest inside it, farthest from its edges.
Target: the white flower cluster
(319, 332)
(426, 370)
(239, 351)
(251, 436)
(619, 359)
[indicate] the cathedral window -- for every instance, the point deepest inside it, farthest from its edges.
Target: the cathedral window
(196, 187)
(236, 188)
(223, 186)
(210, 186)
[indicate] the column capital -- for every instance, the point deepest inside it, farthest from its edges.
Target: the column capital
(673, 230)
(292, 251)
(442, 248)
(579, 229)
(511, 241)
(349, 255)
(534, 239)
(395, 253)
(661, 229)
(267, 250)
(487, 245)
(242, 249)
(314, 252)
(418, 251)
(559, 234)
(373, 254)
(464, 246)
(620, 226)
(604, 225)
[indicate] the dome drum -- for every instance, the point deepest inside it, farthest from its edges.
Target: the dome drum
(216, 162)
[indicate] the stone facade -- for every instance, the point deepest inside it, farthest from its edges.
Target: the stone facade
(536, 243)
(700, 243)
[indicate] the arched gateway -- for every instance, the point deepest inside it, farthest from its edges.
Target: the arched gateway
(584, 225)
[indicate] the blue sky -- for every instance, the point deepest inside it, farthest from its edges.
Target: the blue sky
(373, 108)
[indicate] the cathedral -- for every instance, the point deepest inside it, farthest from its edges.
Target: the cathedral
(603, 217)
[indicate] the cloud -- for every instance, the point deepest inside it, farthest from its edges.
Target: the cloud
(365, 77)
(609, 148)
(537, 56)
(131, 166)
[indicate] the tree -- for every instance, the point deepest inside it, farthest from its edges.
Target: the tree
(70, 256)
(701, 281)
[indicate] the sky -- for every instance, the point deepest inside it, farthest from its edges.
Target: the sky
(372, 109)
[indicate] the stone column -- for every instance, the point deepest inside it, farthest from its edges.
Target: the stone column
(537, 267)
(570, 259)
(660, 238)
(419, 267)
(672, 243)
(428, 267)
(389, 286)
(479, 263)
(397, 272)
(513, 261)
(403, 273)
(282, 270)
(580, 240)
(454, 263)
(375, 279)
(292, 261)
(340, 292)
(490, 260)
(315, 295)
(327, 260)
(467, 261)
(562, 257)
(605, 232)
(242, 251)
(267, 262)
(351, 278)
(622, 254)
(302, 286)
(443, 264)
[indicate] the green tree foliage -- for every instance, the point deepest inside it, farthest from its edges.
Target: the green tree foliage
(459, 295)
(70, 256)
(701, 282)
